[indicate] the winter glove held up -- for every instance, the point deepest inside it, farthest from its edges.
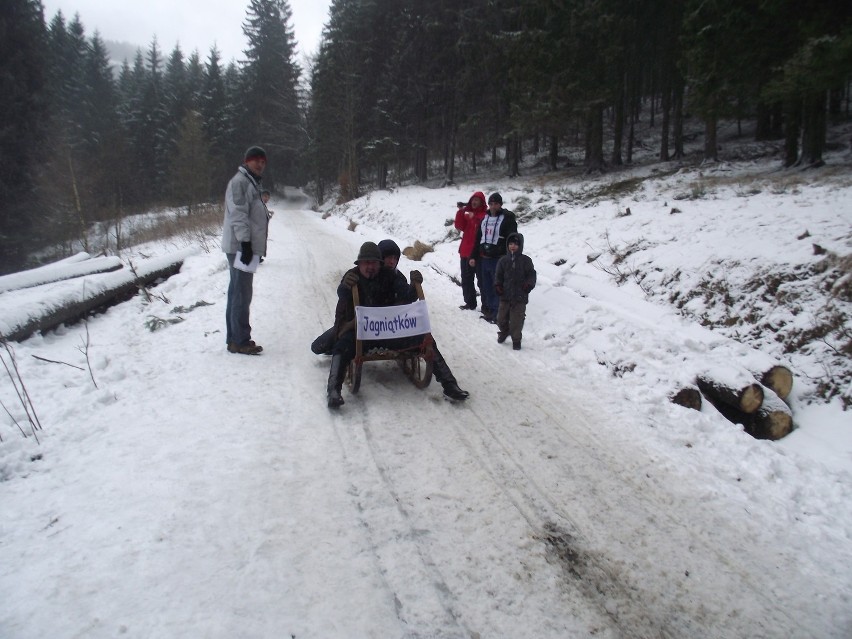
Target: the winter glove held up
(246, 254)
(416, 277)
(350, 279)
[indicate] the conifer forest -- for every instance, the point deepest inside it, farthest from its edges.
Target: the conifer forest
(399, 91)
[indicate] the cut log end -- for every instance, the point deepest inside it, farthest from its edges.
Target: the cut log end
(770, 424)
(779, 379)
(751, 398)
(688, 398)
(747, 398)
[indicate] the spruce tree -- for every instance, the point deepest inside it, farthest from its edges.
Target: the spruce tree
(272, 116)
(23, 105)
(215, 120)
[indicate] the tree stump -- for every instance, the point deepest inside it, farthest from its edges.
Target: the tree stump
(746, 398)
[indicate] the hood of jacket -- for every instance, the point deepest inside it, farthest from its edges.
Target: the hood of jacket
(481, 197)
(519, 238)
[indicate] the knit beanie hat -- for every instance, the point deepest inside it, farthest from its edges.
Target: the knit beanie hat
(389, 247)
(254, 152)
(369, 252)
(495, 197)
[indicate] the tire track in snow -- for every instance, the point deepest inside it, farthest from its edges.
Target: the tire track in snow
(598, 508)
(422, 598)
(620, 485)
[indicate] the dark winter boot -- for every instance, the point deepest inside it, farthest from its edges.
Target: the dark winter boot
(335, 382)
(445, 378)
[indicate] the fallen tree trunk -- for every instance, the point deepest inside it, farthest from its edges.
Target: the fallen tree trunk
(65, 270)
(688, 398)
(746, 397)
(76, 300)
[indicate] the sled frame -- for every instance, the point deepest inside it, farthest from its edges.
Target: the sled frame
(416, 362)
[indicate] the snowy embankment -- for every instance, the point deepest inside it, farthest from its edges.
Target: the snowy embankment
(195, 492)
(632, 267)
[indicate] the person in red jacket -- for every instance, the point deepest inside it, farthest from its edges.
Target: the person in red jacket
(468, 218)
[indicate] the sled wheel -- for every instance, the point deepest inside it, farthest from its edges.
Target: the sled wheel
(418, 367)
(353, 376)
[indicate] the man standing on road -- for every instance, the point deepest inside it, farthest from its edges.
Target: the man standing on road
(243, 238)
(490, 247)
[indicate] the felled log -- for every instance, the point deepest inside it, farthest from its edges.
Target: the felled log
(417, 251)
(778, 378)
(772, 420)
(76, 300)
(66, 269)
(688, 398)
(746, 397)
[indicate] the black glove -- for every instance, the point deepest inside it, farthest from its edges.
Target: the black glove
(498, 288)
(416, 277)
(246, 254)
(350, 279)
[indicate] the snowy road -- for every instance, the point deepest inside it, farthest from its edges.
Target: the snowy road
(198, 493)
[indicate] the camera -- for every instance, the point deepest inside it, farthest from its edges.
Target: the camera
(461, 204)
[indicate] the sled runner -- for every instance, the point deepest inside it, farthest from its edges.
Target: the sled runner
(415, 360)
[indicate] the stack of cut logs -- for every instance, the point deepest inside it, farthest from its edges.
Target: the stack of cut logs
(758, 405)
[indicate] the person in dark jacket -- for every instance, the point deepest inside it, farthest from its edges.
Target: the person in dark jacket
(378, 285)
(390, 254)
(513, 281)
(468, 218)
(490, 247)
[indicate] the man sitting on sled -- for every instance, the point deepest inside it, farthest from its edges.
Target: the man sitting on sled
(378, 285)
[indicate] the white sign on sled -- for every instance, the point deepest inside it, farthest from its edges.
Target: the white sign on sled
(390, 322)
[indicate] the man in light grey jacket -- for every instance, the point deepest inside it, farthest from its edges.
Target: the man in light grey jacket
(243, 238)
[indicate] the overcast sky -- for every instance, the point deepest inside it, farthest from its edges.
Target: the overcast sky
(195, 24)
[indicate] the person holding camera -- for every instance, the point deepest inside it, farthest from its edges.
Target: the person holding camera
(490, 246)
(468, 218)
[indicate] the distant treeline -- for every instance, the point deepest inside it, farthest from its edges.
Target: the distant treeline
(401, 85)
(400, 90)
(81, 144)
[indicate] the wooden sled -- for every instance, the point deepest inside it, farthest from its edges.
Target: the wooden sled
(416, 361)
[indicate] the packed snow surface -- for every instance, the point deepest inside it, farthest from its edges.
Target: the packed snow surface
(177, 490)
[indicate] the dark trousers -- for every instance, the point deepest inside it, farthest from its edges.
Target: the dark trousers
(490, 299)
(237, 326)
(510, 319)
(468, 273)
(324, 344)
